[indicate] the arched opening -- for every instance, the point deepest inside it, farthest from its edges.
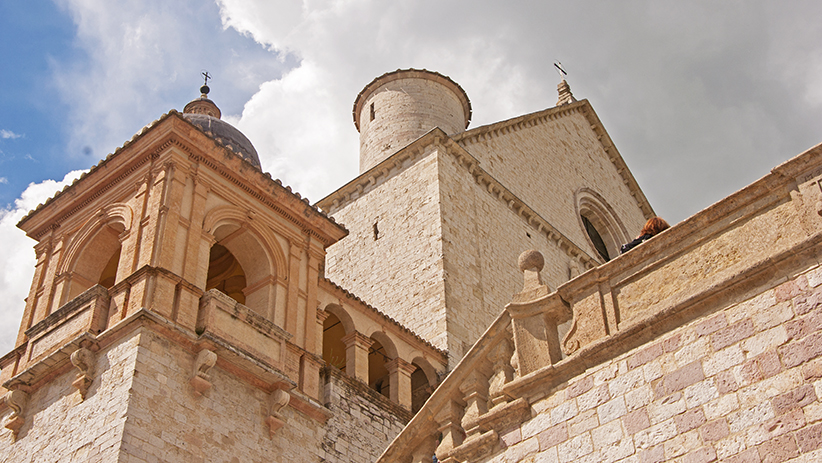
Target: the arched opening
(377, 372)
(225, 273)
(97, 262)
(333, 347)
(596, 239)
(603, 229)
(420, 389)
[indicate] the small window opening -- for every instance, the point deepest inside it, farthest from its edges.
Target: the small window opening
(527, 234)
(373, 114)
(376, 231)
(599, 244)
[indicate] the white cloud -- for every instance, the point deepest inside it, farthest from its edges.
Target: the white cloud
(5, 134)
(17, 264)
(4, 180)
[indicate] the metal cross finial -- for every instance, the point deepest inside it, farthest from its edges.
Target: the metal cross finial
(207, 76)
(560, 70)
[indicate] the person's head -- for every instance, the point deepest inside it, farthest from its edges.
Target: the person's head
(654, 225)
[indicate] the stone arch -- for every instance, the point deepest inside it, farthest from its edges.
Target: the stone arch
(423, 382)
(93, 254)
(381, 352)
(259, 258)
(335, 327)
(601, 226)
(227, 214)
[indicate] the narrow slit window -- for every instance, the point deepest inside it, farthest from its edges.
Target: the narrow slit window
(376, 231)
(373, 114)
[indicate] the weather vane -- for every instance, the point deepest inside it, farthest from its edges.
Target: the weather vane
(560, 70)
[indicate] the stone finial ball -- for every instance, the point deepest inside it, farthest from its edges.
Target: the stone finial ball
(531, 259)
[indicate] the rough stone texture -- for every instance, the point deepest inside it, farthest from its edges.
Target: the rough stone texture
(142, 408)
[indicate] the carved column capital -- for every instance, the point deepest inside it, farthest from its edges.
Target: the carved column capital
(355, 338)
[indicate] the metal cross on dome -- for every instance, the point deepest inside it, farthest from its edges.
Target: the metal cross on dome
(207, 76)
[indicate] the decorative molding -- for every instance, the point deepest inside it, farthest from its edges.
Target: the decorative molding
(205, 360)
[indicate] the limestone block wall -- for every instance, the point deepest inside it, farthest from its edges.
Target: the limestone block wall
(740, 385)
(546, 158)
(59, 426)
(400, 272)
(399, 107)
(363, 421)
(482, 238)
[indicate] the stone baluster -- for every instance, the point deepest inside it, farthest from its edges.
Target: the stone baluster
(448, 418)
(503, 372)
(475, 390)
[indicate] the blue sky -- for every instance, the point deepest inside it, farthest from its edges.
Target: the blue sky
(700, 97)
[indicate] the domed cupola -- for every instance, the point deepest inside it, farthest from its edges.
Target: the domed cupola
(205, 115)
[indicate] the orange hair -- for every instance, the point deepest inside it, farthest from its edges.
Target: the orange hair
(654, 225)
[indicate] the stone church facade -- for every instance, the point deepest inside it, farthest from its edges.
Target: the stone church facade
(188, 307)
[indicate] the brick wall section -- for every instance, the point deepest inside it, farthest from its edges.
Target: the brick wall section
(61, 428)
(740, 385)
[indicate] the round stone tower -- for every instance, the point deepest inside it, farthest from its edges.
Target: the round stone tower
(399, 107)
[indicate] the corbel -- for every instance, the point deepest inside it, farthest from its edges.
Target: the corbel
(17, 401)
(84, 360)
(278, 400)
(205, 360)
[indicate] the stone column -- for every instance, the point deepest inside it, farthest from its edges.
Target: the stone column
(399, 379)
(356, 355)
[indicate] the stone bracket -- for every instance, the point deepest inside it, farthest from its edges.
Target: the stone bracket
(474, 447)
(201, 381)
(17, 401)
(84, 360)
(279, 399)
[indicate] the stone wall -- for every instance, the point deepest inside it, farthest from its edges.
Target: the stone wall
(546, 158)
(363, 421)
(399, 271)
(740, 385)
(482, 238)
(60, 427)
(142, 407)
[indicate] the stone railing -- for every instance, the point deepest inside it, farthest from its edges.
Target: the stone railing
(240, 326)
(754, 239)
(87, 312)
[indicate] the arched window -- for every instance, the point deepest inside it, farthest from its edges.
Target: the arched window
(97, 261)
(420, 390)
(377, 372)
(225, 273)
(333, 348)
(602, 228)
